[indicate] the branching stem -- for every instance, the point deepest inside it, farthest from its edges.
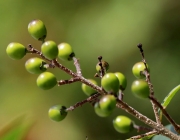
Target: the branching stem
(168, 117)
(155, 108)
(160, 129)
(141, 128)
(89, 99)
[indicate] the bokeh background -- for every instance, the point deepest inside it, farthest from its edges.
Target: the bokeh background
(93, 27)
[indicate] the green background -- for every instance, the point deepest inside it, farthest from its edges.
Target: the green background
(93, 28)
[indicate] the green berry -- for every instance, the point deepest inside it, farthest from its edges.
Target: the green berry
(110, 82)
(37, 29)
(107, 103)
(65, 52)
(46, 80)
(123, 124)
(140, 88)
(104, 64)
(16, 50)
(57, 113)
(89, 90)
(49, 49)
(100, 112)
(137, 70)
(35, 65)
(122, 80)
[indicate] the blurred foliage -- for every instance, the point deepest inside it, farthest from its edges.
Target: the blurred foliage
(108, 28)
(16, 129)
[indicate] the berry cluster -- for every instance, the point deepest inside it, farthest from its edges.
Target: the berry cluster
(104, 98)
(113, 83)
(50, 50)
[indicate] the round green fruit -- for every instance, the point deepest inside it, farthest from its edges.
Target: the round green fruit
(46, 80)
(122, 80)
(107, 103)
(49, 49)
(104, 64)
(137, 70)
(140, 88)
(100, 112)
(57, 113)
(65, 52)
(123, 124)
(110, 82)
(35, 65)
(37, 29)
(16, 50)
(89, 90)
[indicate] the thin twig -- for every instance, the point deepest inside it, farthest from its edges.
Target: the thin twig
(120, 95)
(168, 117)
(154, 102)
(102, 72)
(77, 65)
(89, 99)
(70, 81)
(31, 49)
(155, 108)
(141, 128)
(103, 67)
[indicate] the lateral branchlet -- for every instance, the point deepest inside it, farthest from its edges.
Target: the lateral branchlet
(146, 72)
(65, 82)
(88, 100)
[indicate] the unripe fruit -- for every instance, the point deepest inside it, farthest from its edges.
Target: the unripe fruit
(46, 80)
(122, 80)
(110, 82)
(57, 113)
(107, 103)
(140, 88)
(35, 65)
(87, 89)
(138, 68)
(37, 29)
(100, 112)
(16, 50)
(105, 66)
(65, 52)
(49, 49)
(123, 124)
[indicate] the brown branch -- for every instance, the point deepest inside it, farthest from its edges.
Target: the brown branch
(89, 99)
(70, 81)
(141, 128)
(155, 108)
(158, 127)
(77, 65)
(31, 49)
(120, 95)
(102, 72)
(168, 117)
